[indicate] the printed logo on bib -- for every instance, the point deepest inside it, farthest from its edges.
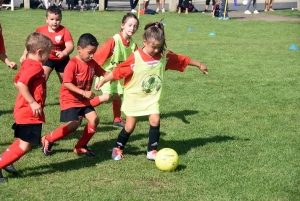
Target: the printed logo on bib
(151, 84)
(57, 38)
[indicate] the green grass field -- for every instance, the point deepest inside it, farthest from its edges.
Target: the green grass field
(236, 130)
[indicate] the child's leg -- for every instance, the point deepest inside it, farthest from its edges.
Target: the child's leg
(47, 71)
(116, 105)
(88, 132)
(117, 153)
(154, 135)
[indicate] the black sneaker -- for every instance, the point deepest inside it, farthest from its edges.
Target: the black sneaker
(205, 11)
(2, 179)
(10, 168)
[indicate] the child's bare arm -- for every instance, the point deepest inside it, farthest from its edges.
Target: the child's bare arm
(108, 77)
(9, 63)
(67, 51)
(213, 13)
(200, 65)
(85, 94)
(35, 107)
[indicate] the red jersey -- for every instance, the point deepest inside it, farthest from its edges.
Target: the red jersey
(80, 74)
(107, 49)
(32, 75)
(174, 62)
(59, 37)
(2, 47)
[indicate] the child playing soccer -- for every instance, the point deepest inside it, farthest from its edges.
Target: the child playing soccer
(62, 43)
(143, 73)
(28, 112)
(3, 56)
(75, 96)
(114, 51)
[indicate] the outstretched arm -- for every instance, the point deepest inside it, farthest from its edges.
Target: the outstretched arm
(200, 65)
(107, 78)
(9, 63)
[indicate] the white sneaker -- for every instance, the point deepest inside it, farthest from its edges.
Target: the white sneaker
(151, 155)
(117, 154)
(133, 11)
(157, 10)
(255, 12)
(163, 10)
(247, 12)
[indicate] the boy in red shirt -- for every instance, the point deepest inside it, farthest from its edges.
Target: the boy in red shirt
(62, 43)
(75, 96)
(28, 112)
(3, 56)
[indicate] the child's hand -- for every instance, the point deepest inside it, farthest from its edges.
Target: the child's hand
(60, 54)
(98, 85)
(12, 65)
(88, 94)
(203, 68)
(36, 109)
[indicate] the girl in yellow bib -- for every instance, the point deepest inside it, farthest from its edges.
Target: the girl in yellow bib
(114, 51)
(143, 73)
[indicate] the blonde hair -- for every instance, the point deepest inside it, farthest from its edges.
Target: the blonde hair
(37, 41)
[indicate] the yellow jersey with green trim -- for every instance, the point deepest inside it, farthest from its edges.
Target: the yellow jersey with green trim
(142, 93)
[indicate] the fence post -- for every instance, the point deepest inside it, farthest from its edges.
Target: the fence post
(27, 4)
(101, 5)
(173, 5)
(298, 5)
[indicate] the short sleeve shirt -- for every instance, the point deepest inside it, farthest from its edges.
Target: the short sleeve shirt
(2, 47)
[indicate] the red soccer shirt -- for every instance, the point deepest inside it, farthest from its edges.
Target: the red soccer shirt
(2, 47)
(59, 38)
(174, 62)
(107, 49)
(80, 74)
(32, 75)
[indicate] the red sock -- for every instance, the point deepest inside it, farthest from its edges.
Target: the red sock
(10, 156)
(95, 101)
(15, 143)
(58, 133)
(87, 134)
(116, 105)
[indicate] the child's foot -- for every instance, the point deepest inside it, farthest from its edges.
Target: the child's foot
(255, 12)
(84, 150)
(271, 10)
(163, 10)
(151, 155)
(157, 10)
(10, 168)
(2, 179)
(119, 122)
(247, 12)
(117, 154)
(205, 11)
(46, 146)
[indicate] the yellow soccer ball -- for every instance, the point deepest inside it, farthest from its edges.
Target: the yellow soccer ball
(166, 159)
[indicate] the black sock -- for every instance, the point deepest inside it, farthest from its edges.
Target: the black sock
(122, 139)
(154, 135)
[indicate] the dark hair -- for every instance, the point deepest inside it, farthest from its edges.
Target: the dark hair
(53, 10)
(130, 15)
(155, 31)
(37, 41)
(86, 40)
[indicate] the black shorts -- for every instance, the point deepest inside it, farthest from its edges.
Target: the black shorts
(58, 66)
(28, 132)
(72, 114)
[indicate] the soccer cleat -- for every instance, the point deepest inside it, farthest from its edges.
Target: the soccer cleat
(255, 12)
(117, 154)
(84, 150)
(151, 155)
(163, 10)
(10, 168)
(46, 146)
(2, 179)
(119, 123)
(247, 12)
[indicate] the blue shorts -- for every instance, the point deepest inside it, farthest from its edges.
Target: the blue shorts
(72, 114)
(28, 132)
(58, 66)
